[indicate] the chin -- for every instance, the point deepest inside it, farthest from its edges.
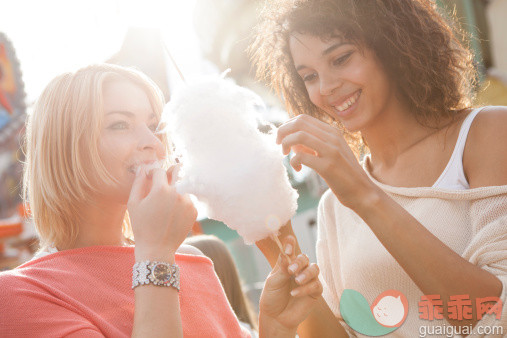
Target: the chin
(353, 125)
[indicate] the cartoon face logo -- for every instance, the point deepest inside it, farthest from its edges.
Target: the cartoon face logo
(390, 308)
(386, 314)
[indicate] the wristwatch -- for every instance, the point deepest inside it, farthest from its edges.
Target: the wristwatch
(157, 273)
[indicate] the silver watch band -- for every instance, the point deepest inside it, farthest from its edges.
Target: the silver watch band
(157, 273)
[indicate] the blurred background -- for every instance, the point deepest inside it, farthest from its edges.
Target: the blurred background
(42, 39)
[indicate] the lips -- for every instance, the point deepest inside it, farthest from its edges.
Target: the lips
(346, 103)
(148, 165)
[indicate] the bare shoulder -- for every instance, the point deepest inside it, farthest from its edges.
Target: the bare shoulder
(485, 156)
(189, 250)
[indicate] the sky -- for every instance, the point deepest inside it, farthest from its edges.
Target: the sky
(55, 36)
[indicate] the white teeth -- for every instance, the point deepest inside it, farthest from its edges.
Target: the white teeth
(348, 103)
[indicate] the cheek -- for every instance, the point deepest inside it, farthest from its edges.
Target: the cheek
(314, 95)
(358, 73)
(113, 153)
(105, 154)
(379, 85)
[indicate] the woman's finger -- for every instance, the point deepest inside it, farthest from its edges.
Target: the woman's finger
(278, 276)
(137, 192)
(309, 141)
(172, 172)
(159, 178)
(308, 124)
(184, 215)
(299, 148)
(311, 161)
(307, 274)
(289, 251)
(300, 263)
(190, 209)
(312, 289)
(289, 246)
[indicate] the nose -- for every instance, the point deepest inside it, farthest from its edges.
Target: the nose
(149, 141)
(328, 84)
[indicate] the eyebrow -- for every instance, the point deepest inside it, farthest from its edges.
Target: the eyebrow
(333, 47)
(326, 52)
(128, 114)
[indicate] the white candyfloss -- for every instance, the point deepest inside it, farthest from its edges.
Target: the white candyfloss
(227, 163)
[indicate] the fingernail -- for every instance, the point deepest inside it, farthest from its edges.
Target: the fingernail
(294, 292)
(293, 267)
(288, 249)
(300, 278)
(138, 170)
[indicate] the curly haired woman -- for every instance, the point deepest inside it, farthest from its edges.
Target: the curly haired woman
(425, 212)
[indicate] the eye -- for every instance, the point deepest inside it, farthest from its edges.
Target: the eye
(119, 125)
(341, 60)
(154, 127)
(309, 77)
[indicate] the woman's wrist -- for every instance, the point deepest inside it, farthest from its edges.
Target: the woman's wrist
(369, 202)
(154, 254)
(271, 328)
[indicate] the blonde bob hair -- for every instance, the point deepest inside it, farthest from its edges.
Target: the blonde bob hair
(61, 144)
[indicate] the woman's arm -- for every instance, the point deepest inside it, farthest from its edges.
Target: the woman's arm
(286, 302)
(161, 219)
(434, 267)
(157, 308)
(321, 321)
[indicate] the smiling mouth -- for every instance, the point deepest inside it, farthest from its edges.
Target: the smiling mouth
(349, 102)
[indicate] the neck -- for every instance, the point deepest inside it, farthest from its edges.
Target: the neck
(392, 133)
(101, 225)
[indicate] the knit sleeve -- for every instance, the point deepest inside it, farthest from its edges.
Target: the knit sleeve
(26, 311)
(488, 250)
(328, 259)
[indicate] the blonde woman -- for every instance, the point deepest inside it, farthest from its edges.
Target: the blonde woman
(90, 143)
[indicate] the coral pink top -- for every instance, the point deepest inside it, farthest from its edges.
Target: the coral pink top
(87, 292)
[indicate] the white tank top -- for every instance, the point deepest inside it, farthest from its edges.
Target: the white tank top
(453, 176)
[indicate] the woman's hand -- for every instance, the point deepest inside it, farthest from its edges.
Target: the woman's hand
(286, 301)
(161, 218)
(324, 149)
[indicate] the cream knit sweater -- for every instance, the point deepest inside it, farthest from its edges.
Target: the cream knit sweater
(471, 222)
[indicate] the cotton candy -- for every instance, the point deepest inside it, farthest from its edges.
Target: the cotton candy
(227, 163)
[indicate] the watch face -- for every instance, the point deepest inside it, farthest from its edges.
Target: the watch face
(162, 272)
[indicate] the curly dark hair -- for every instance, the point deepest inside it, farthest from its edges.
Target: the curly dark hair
(419, 51)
